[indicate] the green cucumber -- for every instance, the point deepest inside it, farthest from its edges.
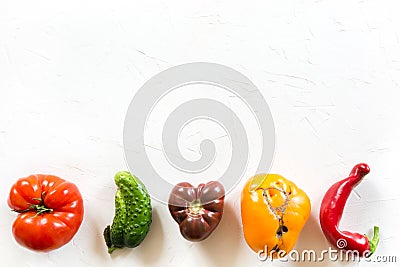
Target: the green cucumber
(133, 213)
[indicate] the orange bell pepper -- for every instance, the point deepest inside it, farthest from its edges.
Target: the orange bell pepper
(274, 211)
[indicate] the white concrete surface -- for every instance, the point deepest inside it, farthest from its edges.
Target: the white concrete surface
(330, 71)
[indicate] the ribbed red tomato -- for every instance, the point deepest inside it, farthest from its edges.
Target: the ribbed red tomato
(50, 211)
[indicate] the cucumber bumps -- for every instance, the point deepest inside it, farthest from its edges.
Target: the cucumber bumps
(132, 213)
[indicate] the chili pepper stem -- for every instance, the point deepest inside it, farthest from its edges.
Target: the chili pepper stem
(373, 243)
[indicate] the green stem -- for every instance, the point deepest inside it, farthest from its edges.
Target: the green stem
(111, 249)
(195, 207)
(107, 238)
(40, 209)
(373, 243)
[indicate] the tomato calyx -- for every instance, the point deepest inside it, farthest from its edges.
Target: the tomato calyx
(38, 208)
(195, 207)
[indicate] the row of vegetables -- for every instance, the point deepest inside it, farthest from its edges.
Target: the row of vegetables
(273, 211)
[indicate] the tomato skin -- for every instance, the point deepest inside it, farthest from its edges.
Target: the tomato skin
(50, 211)
(197, 210)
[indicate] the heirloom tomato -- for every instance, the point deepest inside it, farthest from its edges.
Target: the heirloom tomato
(50, 211)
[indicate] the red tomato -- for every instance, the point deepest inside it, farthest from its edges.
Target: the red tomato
(51, 211)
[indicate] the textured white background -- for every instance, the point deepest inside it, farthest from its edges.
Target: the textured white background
(330, 71)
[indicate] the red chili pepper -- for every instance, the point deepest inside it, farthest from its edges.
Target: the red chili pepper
(331, 212)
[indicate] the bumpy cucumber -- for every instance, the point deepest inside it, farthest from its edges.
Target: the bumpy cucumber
(133, 213)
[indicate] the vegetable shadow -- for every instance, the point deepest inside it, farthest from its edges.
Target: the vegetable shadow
(223, 245)
(150, 249)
